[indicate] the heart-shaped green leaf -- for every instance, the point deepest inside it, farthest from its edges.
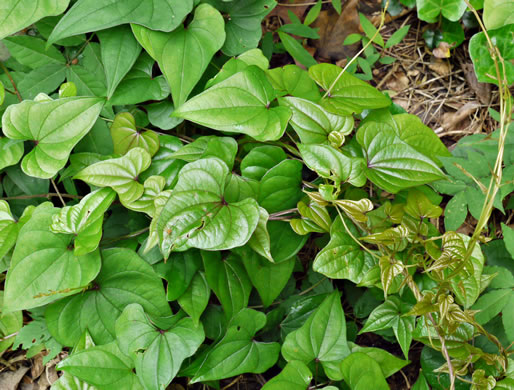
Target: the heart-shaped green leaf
(244, 24)
(125, 135)
(197, 214)
(392, 164)
(247, 111)
(294, 81)
(18, 14)
(229, 281)
(183, 55)
(125, 278)
(225, 148)
(498, 13)
(120, 51)
(196, 297)
(65, 122)
(362, 372)
(390, 314)
(94, 15)
(429, 10)
(236, 352)
(349, 94)
(294, 376)
(485, 66)
(322, 337)
(160, 353)
(31, 52)
(268, 278)
(121, 174)
(330, 163)
(153, 188)
(260, 160)
(54, 271)
(260, 240)
(313, 123)
(105, 367)
(280, 187)
(84, 220)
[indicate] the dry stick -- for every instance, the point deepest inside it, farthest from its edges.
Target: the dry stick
(57, 192)
(11, 80)
(382, 22)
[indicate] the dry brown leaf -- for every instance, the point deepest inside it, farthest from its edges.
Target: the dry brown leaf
(442, 50)
(11, 379)
(333, 30)
(482, 90)
(442, 68)
(451, 120)
(398, 82)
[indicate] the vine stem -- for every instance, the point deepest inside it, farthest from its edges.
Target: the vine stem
(57, 192)
(354, 58)
(4, 68)
(49, 195)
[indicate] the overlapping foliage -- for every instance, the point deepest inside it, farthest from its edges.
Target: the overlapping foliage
(209, 219)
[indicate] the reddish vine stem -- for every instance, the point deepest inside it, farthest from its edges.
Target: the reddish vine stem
(12, 81)
(49, 195)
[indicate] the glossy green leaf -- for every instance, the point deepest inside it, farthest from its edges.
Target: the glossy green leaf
(139, 85)
(160, 353)
(125, 135)
(260, 160)
(90, 15)
(285, 243)
(163, 164)
(244, 25)
(55, 271)
(229, 281)
(153, 190)
(45, 79)
(9, 228)
(361, 372)
(429, 10)
(412, 131)
(225, 148)
(389, 364)
(343, 258)
(498, 13)
(296, 49)
(159, 115)
(125, 278)
(294, 376)
(69, 382)
(330, 163)
(491, 304)
(2, 93)
(84, 220)
(248, 110)
(390, 314)
(10, 323)
(121, 174)
(104, 367)
(419, 206)
(196, 297)
(66, 122)
(31, 51)
(349, 94)
(280, 187)
(485, 68)
(260, 240)
(268, 278)
(179, 271)
(11, 151)
(197, 215)
(295, 81)
(392, 164)
(313, 123)
(239, 63)
(183, 55)
(508, 236)
(18, 14)
(120, 51)
(236, 352)
(321, 337)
